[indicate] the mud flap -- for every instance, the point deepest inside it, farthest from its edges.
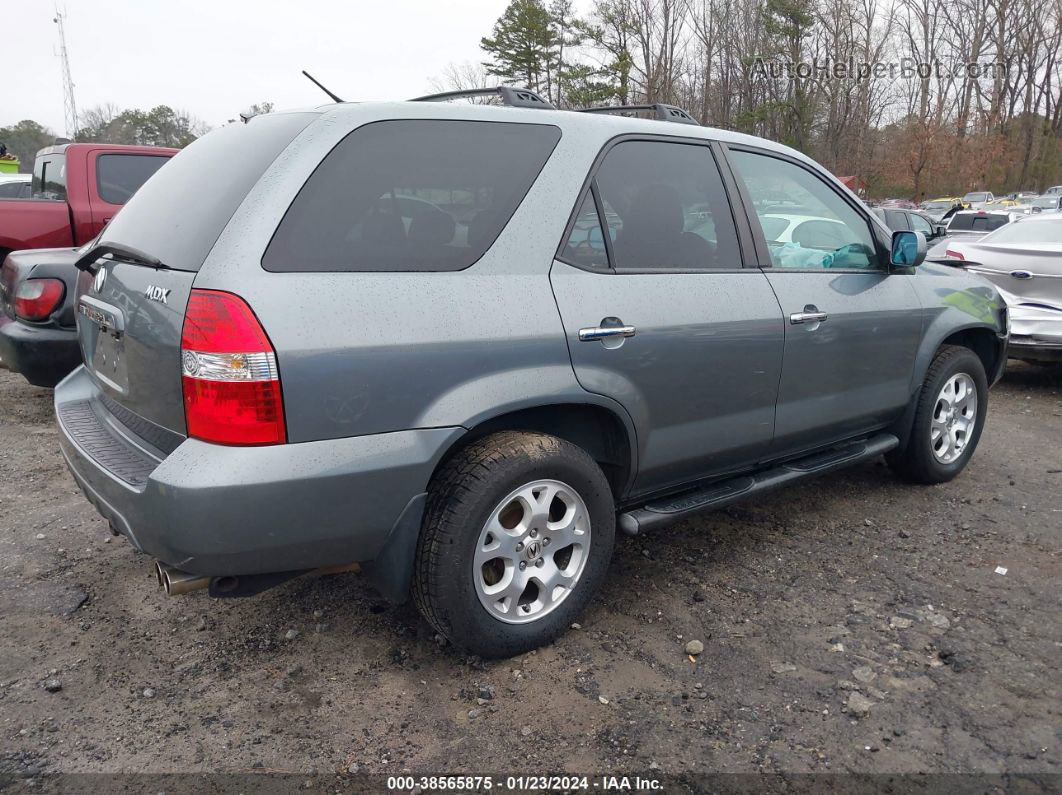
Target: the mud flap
(391, 572)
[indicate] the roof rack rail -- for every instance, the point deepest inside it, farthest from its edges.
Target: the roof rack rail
(661, 112)
(515, 97)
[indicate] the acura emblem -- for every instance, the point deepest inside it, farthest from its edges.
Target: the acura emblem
(101, 277)
(533, 549)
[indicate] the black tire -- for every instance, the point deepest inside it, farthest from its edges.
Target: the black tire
(461, 498)
(916, 462)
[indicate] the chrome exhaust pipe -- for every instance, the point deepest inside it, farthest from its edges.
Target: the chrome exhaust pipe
(176, 582)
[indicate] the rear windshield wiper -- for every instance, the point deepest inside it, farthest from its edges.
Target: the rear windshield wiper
(85, 261)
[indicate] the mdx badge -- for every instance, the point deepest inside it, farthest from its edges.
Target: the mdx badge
(153, 293)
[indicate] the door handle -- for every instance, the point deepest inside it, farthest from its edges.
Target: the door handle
(604, 332)
(811, 314)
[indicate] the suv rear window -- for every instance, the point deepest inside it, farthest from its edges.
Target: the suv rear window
(179, 215)
(410, 195)
(119, 176)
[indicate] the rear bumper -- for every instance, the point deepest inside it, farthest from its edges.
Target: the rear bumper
(44, 355)
(215, 510)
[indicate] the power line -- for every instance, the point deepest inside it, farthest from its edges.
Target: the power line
(70, 107)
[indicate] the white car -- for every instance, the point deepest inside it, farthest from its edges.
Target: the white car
(1024, 261)
(15, 186)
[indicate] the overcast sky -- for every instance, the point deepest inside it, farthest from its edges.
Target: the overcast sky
(216, 58)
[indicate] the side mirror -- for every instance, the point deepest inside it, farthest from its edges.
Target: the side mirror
(908, 249)
(939, 230)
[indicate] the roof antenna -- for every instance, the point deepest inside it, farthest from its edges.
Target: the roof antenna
(316, 83)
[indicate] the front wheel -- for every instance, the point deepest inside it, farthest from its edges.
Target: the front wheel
(949, 418)
(516, 539)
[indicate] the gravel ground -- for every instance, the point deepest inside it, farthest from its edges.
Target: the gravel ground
(852, 624)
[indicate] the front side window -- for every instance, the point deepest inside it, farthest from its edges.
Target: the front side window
(665, 208)
(920, 224)
(822, 229)
(120, 176)
(411, 195)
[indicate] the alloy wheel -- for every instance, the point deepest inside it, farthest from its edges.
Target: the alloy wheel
(954, 418)
(532, 551)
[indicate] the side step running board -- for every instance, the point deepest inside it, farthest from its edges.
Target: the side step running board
(715, 495)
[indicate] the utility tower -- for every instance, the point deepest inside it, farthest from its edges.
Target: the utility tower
(68, 81)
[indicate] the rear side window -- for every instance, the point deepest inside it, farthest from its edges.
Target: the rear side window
(179, 215)
(410, 195)
(119, 176)
(49, 177)
(665, 208)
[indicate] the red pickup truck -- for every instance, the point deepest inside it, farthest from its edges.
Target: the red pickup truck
(77, 188)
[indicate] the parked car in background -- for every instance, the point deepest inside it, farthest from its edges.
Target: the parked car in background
(939, 209)
(1056, 190)
(971, 225)
(976, 199)
(914, 220)
(38, 335)
(1018, 195)
(15, 186)
(301, 380)
(1024, 260)
(906, 204)
(76, 189)
(1047, 204)
(1025, 204)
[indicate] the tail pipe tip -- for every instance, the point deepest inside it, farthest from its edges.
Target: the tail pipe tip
(176, 582)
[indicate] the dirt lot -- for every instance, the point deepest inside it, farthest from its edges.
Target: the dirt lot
(855, 624)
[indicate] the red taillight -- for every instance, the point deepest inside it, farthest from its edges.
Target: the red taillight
(229, 371)
(35, 299)
(953, 254)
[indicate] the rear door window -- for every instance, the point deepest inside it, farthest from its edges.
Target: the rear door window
(585, 245)
(411, 195)
(118, 176)
(665, 208)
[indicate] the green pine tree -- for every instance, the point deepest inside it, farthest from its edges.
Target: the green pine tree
(524, 45)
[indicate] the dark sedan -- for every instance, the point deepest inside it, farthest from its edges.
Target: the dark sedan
(38, 334)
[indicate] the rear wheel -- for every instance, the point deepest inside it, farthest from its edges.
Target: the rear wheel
(949, 418)
(516, 539)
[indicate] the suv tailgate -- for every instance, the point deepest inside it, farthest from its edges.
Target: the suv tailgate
(129, 321)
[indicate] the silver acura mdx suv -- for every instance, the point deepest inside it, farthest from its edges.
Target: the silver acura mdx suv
(460, 345)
